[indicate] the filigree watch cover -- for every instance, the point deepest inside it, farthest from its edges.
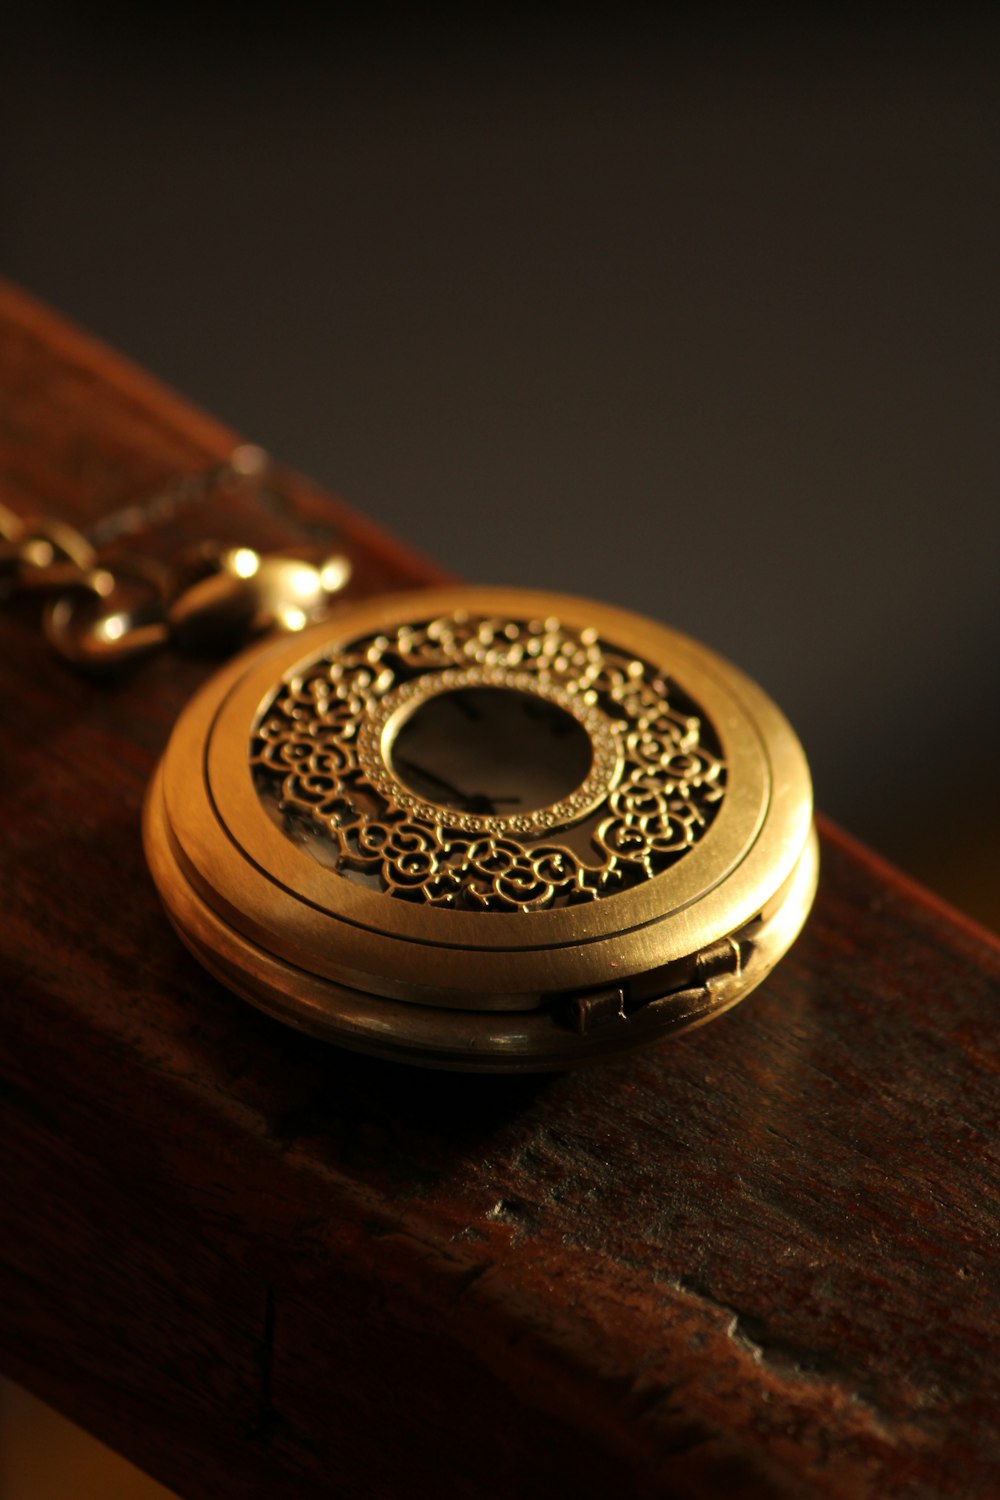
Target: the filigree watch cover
(328, 753)
(484, 829)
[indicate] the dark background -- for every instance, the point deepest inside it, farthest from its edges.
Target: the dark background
(691, 309)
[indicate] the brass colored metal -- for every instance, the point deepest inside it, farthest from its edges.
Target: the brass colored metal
(42, 553)
(107, 620)
(470, 828)
(247, 594)
(104, 614)
(387, 834)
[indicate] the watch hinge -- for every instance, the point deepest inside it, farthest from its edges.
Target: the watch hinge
(598, 1012)
(722, 958)
(613, 1008)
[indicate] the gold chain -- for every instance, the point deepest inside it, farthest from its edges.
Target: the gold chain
(208, 600)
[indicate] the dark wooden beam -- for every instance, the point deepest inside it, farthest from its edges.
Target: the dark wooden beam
(757, 1261)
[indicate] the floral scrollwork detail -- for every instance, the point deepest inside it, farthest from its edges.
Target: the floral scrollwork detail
(657, 780)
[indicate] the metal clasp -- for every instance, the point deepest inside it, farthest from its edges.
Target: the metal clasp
(211, 600)
(211, 604)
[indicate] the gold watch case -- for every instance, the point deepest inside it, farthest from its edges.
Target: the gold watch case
(484, 829)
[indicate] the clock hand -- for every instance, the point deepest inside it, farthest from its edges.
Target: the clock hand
(431, 777)
(470, 802)
(479, 802)
(465, 702)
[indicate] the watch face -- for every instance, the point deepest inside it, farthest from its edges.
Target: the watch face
(484, 828)
(489, 751)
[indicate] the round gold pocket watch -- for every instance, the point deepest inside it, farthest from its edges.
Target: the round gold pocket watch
(484, 829)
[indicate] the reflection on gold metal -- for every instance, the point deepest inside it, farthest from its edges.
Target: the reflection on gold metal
(485, 829)
(103, 614)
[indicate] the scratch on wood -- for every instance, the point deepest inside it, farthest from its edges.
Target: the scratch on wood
(473, 1274)
(782, 1358)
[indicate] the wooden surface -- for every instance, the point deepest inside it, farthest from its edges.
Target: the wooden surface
(759, 1261)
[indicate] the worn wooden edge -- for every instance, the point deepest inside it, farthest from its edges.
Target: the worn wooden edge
(135, 386)
(903, 884)
(70, 343)
(317, 1243)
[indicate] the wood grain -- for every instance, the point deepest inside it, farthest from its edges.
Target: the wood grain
(758, 1261)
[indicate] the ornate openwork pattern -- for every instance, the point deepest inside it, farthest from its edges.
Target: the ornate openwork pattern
(655, 782)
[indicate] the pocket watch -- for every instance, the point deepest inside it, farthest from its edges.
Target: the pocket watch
(470, 828)
(484, 829)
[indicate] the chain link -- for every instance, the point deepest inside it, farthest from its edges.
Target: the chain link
(209, 600)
